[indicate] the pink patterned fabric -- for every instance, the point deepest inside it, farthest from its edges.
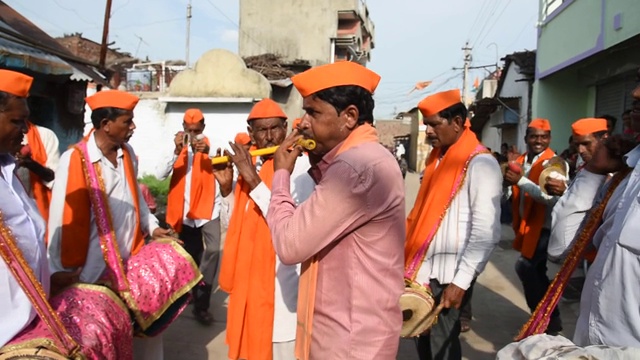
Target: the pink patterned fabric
(94, 317)
(165, 270)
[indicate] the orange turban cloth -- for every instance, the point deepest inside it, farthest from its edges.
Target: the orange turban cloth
(435, 103)
(540, 124)
(337, 74)
(242, 138)
(266, 109)
(193, 116)
(113, 99)
(15, 83)
(296, 122)
(588, 126)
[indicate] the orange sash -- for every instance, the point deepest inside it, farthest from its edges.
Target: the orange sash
(247, 273)
(529, 226)
(76, 218)
(309, 269)
(41, 193)
(203, 189)
(436, 192)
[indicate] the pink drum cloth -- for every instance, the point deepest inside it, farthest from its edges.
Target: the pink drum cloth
(161, 273)
(94, 317)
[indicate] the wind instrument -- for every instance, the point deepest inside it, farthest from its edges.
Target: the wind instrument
(308, 144)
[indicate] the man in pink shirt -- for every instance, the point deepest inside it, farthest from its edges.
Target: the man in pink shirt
(349, 235)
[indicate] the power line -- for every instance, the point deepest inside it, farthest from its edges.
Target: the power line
(495, 22)
(527, 24)
(120, 7)
(478, 17)
(73, 11)
(487, 20)
(236, 24)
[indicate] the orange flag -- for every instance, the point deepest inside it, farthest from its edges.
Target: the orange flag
(420, 85)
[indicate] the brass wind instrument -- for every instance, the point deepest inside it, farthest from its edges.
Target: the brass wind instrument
(308, 144)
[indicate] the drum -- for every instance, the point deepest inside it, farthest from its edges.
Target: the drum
(95, 318)
(417, 305)
(160, 277)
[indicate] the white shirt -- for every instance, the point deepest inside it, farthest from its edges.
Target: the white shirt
(121, 207)
(166, 168)
(286, 276)
(610, 303)
(22, 217)
(570, 211)
(51, 147)
(470, 229)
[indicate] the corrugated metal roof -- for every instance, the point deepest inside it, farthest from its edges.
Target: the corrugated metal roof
(18, 55)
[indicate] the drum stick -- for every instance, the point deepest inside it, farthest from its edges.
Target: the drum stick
(308, 144)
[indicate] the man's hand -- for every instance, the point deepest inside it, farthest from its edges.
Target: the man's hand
(511, 177)
(285, 158)
(452, 297)
(224, 175)
(201, 146)
(63, 279)
(162, 233)
(512, 154)
(178, 140)
(43, 172)
(244, 163)
(555, 187)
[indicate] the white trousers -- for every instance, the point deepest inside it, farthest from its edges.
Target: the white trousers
(284, 350)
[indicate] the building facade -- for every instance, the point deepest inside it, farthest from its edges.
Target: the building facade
(588, 56)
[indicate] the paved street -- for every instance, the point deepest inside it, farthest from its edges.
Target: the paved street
(499, 311)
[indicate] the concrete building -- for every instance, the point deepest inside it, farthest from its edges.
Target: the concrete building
(587, 59)
(307, 33)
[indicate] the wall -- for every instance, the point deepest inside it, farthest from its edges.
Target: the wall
(157, 123)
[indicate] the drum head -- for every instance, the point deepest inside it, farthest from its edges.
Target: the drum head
(32, 354)
(416, 308)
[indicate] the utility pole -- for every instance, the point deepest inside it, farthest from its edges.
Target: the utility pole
(105, 35)
(465, 74)
(186, 58)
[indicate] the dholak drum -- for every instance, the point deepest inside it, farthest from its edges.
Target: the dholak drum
(160, 277)
(95, 318)
(417, 305)
(32, 354)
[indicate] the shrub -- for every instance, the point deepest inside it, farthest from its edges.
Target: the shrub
(159, 189)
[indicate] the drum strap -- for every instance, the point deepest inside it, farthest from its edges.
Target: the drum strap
(22, 272)
(412, 270)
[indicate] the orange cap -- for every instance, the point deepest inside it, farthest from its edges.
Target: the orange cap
(193, 116)
(296, 122)
(242, 138)
(336, 74)
(15, 83)
(540, 124)
(435, 103)
(265, 109)
(588, 126)
(112, 98)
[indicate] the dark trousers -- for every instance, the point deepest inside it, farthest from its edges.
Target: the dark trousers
(465, 311)
(535, 282)
(443, 341)
(203, 244)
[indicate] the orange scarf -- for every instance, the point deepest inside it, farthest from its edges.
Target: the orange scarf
(76, 218)
(203, 189)
(41, 193)
(247, 273)
(309, 269)
(529, 226)
(440, 184)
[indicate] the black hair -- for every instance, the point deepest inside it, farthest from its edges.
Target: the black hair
(4, 99)
(599, 134)
(626, 112)
(340, 97)
(526, 133)
(109, 113)
(454, 110)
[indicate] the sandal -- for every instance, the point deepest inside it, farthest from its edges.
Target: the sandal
(203, 317)
(464, 326)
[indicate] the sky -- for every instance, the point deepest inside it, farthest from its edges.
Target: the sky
(415, 40)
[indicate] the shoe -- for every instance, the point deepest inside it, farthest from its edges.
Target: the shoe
(203, 317)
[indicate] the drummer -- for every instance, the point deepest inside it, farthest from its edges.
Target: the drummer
(20, 216)
(455, 219)
(75, 253)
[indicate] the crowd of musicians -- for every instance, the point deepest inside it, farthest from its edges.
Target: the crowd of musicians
(320, 260)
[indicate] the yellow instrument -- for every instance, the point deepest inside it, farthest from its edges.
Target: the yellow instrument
(308, 144)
